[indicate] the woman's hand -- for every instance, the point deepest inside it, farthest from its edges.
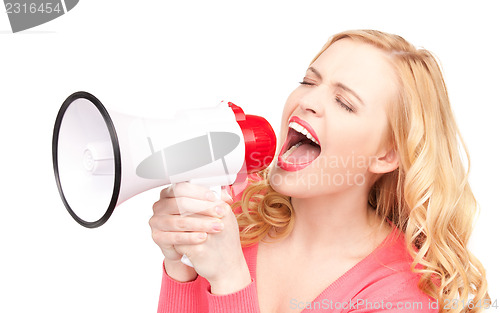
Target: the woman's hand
(207, 232)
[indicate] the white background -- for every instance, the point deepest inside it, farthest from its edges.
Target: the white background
(152, 57)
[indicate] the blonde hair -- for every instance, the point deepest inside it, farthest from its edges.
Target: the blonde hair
(428, 197)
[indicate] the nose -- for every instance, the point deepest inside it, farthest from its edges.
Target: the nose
(311, 104)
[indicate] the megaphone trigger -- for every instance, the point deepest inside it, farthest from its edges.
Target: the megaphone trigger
(186, 261)
(216, 190)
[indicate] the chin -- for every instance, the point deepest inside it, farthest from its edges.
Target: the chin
(314, 180)
(295, 184)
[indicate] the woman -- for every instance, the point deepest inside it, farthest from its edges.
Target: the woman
(366, 209)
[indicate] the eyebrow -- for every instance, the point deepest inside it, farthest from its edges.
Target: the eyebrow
(339, 85)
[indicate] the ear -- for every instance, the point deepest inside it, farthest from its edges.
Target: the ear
(386, 162)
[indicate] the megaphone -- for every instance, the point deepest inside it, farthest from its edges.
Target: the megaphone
(102, 158)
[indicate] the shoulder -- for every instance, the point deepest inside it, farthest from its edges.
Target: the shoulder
(400, 294)
(390, 285)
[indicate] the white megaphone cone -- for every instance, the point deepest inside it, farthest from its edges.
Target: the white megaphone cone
(103, 158)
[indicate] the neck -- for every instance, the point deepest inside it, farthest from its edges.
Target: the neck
(339, 222)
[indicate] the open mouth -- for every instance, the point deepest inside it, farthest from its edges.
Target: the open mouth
(301, 146)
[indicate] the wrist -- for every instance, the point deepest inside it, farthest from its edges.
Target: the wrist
(179, 271)
(232, 281)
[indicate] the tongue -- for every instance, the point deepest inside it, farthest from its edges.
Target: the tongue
(305, 153)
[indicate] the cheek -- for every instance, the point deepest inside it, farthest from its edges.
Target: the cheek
(354, 139)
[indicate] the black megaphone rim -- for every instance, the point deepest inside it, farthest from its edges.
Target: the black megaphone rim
(116, 151)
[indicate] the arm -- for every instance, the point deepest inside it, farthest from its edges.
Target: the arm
(234, 292)
(242, 301)
(196, 296)
(180, 296)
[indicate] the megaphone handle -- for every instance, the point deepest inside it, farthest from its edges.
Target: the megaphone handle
(186, 261)
(217, 191)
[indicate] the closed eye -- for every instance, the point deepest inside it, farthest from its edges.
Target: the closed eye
(342, 104)
(305, 83)
(337, 99)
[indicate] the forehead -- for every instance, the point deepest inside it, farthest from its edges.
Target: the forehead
(360, 66)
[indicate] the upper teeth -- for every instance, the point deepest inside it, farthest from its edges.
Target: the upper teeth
(303, 131)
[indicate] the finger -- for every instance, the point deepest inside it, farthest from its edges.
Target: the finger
(187, 224)
(188, 206)
(188, 190)
(189, 250)
(178, 238)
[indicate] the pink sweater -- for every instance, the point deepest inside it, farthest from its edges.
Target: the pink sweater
(381, 282)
